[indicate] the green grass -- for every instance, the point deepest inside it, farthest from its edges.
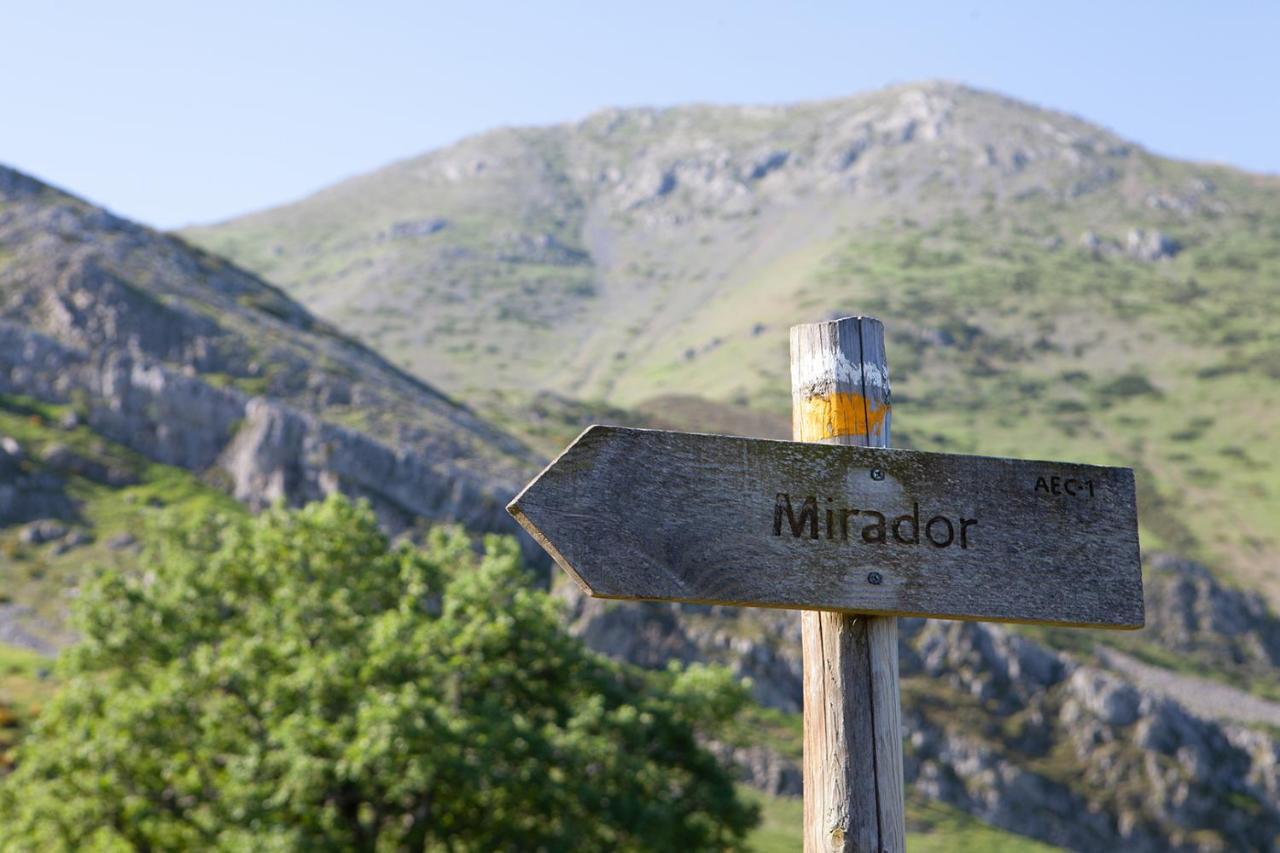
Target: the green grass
(1005, 349)
(931, 827)
(19, 680)
(936, 827)
(1004, 337)
(781, 822)
(35, 576)
(24, 685)
(781, 731)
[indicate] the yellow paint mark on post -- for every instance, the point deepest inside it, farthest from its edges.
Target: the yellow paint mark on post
(839, 414)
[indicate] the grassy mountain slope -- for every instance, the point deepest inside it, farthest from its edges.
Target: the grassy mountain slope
(85, 499)
(137, 371)
(97, 284)
(1050, 290)
(931, 828)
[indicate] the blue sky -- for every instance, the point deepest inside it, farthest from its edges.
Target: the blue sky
(176, 112)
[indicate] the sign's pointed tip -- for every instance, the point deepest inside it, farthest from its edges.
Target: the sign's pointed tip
(538, 536)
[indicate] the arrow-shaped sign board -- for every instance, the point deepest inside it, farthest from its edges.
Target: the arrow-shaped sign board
(713, 519)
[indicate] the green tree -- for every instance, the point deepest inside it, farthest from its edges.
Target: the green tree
(291, 682)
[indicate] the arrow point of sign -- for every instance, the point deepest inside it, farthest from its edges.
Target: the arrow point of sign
(539, 483)
(666, 516)
(532, 529)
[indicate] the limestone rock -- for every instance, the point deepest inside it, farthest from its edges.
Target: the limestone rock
(1105, 696)
(41, 531)
(762, 768)
(1189, 612)
(192, 362)
(1150, 245)
(1147, 774)
(61, 458)
(121, 541)
(74, 539)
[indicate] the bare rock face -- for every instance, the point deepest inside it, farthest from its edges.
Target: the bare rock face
(192, 362)
(645, 634)
(1145, 773)
(1139, 245)
(271, 451)
(971, 774)
(22, 627)
(1151, 245)
(29, 494)
(987, 661)
(283, 454)
(264, 458)
(1191, 613)
(762, 768)
(41, 531)
(1033, 740)
(761, 646)
(1100, 695)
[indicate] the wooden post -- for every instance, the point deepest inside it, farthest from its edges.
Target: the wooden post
(853, 789)
(644, 514)
(669, 516)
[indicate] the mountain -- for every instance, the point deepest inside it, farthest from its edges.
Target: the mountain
(137, 371)
(1049, 289)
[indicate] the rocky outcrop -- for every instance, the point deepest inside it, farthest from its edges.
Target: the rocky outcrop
(282, 454)
(762, 768)
(760, 646)
(191, 362)
(1145, 245)
(1034, 740)
(1189, 612)
(1078, 756)
(1139, 245)
(20, 626)
(269, 451)
(27, 494)
(994, 666)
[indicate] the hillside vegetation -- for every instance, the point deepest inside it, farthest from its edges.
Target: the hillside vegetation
(1049, 289)
(137, 372)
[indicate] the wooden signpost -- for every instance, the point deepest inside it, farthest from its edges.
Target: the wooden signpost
(643, 514)
(850, 532)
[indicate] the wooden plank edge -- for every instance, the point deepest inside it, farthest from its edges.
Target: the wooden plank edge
(530, 528)
(724, 602)
(858, 447)
(514, 510)
(886, 714)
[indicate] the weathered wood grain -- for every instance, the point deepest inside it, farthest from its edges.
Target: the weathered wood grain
(853, 785)
(886, 725)
(841, 530)
(646, 514)
(840, 383)
(841, 785)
